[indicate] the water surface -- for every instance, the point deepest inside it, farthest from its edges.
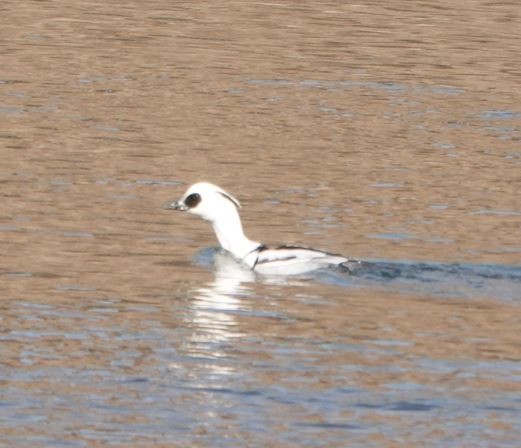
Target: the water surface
(386, 132)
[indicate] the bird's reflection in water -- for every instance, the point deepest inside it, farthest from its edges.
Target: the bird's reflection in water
(214, 324)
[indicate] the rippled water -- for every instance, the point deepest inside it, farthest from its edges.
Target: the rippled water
(386, 132)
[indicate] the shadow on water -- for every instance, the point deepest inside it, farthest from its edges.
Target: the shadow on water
(450, 280)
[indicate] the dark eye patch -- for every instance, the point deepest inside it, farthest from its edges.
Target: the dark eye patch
(192, 200)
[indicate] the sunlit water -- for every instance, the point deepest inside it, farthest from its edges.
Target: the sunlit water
(234, 359)
(389, 133)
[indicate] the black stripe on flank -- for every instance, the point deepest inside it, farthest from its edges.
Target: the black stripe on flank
(310, 249)
(267, 260)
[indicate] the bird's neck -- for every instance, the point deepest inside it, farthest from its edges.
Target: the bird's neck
(231, 236)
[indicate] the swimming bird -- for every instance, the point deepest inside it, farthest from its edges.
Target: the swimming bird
(221, 209)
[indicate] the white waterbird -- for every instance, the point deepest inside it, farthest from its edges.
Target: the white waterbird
(221, 209)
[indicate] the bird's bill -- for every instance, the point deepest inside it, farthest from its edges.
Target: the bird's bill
(176, 205)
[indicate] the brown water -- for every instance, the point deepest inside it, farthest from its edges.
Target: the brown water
(386, 131)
